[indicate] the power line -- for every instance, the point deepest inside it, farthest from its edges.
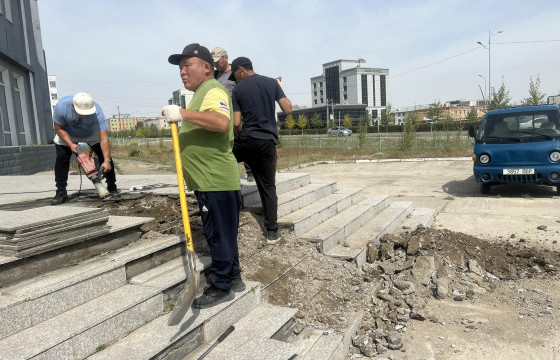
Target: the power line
(435, 63)
(526, 42)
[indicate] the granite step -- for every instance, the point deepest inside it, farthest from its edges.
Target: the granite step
(157, 340)
(419, 216)
(306, 218)
(354, 247)
(35, 300)
(300, 197)
(332, 346)
(340, 226)
(253, 337)
(284, 182)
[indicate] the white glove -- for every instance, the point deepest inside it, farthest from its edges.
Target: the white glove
(172, 113)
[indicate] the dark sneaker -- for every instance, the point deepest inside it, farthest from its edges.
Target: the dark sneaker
(237, 285)
(112, 188)
(273, 236)
(60, 197)
(212, 296)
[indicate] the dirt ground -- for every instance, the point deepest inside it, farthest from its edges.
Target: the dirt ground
(426, 294)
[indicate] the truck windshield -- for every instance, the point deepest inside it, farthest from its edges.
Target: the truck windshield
(521, 127)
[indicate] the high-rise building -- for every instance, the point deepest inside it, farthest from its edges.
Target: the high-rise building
(181, 97)
(53, 92)
(25, 110)
(350, 82)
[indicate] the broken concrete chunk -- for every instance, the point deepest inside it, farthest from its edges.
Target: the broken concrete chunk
(442, 287)
(423, 269)
(475, 268)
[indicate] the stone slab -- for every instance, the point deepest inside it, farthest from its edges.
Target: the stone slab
(60, 224)
(324, 347)
(256, 349)
(13, 221)
(55, 331)
(156, 339)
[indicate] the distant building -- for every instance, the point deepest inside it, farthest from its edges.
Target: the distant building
(123, 122)
(554, 99)
(159, 122)
(350, 82)
(181, 97)
(457, 109)
(53, 92)
(25, 108)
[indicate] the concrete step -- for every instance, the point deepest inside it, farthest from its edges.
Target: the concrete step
(306, 218)
(157, 340)
(332, 346)
(306, 340)
(253, 337)
(35, 300)
(300, 197)
(419, 216)
(340, 226)
(123, 230)
(284, 182)
(83, 330)
(354, 247)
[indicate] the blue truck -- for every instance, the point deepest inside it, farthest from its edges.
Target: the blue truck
(518, 145)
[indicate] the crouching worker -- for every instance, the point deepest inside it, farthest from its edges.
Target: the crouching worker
(80, 119)
(211, 171)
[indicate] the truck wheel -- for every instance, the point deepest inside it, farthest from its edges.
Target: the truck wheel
(558, 189)
(485, 189)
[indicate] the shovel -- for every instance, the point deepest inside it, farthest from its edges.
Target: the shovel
(186, 297)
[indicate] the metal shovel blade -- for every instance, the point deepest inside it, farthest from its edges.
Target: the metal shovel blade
(185, 299)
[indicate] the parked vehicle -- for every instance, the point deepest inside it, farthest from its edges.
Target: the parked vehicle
(518, 145)
(339, 130)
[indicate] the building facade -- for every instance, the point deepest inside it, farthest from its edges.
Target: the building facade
(554, 99)
(158, 122)
(350, 82)
(181, 97)
(53, 92)
(25, 107)
(123, 122)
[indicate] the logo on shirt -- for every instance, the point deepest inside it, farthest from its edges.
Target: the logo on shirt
(204, 208)
(224, 106)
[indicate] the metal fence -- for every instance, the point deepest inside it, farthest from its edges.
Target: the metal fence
(382, 141)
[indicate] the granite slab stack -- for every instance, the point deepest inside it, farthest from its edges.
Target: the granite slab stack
(38, 230)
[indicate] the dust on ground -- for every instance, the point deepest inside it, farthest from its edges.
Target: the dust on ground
(425, 294)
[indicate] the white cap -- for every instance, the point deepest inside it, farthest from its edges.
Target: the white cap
(83, 104)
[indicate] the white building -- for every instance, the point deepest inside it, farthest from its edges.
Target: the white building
(349, 82)
(554, 99)
(181, 97)
(53, 92)
(159, 122)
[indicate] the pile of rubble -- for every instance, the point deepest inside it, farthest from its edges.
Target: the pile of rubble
(413, 268)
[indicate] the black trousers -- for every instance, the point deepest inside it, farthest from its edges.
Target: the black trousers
(62, 165)
(260, 155)
(219, 211)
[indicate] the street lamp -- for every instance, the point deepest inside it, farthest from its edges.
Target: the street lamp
(490, 34)
(485, 93)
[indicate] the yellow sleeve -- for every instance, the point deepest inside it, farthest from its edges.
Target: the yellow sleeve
(216, 100)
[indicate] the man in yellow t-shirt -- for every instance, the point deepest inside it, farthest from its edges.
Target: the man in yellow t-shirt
(206, 142)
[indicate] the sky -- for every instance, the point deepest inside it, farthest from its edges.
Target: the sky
(117, 50)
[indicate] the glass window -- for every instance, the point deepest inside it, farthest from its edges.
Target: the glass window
(383, 91)
(52, 84)
(364, 89)
(18, 110)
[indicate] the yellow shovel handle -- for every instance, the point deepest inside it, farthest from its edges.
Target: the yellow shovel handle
(181, 183)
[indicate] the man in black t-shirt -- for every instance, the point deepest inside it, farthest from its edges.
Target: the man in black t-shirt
(254, 103)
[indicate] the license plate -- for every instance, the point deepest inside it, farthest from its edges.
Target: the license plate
(518, 172)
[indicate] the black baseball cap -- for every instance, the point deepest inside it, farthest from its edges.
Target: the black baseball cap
(240, 61)
(192, 50)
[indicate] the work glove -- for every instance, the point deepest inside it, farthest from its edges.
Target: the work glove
(172, 113)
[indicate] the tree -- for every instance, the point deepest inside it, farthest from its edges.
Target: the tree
(365, 120)
(316, 121)
(500, 99)
(387, 117)
(435, 112)
(472, 115)
(535, 96)
(347, 122)
(290, 123)
(409, 131)
(302, 122)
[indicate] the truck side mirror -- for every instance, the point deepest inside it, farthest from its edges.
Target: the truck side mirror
(472, 131)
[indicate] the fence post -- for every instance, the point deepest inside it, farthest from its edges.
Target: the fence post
(435, 140)
(379, 146)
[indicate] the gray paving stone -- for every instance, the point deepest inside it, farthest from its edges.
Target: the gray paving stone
(354, 246)
(122, 306)
(13, 221)
(419, 216)
(284, 183)
(156, 339)
(324, 348)
(256, 349)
